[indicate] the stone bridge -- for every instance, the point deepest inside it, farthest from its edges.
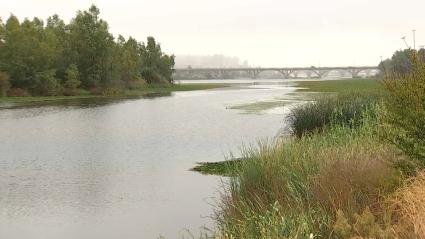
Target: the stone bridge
(286, 72)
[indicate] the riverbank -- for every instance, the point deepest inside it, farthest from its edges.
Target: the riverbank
(338, 178)
(6, 102)
(295, 190)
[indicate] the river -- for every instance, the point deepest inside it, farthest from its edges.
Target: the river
(121, 169)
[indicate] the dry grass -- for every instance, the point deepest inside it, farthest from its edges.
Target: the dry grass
(407, 207)
(356, 180)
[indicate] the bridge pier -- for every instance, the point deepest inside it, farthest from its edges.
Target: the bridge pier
(286, 73)
(367, 73)
(308, 73)
(254, 73)
(223, 74)
(354, 72)
(320, 73)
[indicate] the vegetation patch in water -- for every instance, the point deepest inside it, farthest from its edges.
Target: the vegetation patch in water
(259, 106)
(223, 168)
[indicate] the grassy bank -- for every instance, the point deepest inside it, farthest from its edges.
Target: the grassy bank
(328, 183)
(339, 178)
(295, 190)
(125, 94)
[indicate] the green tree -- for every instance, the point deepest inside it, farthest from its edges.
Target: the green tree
(166, 67)
(2, 33)
(400, 62)
(11, 54)
(91, 43)
(405, 109)
(156, 66)
(46, 83)
(27, 50)
(30, 51)
(2, 41)
(131, 61)
(72, 81)
(57, 41)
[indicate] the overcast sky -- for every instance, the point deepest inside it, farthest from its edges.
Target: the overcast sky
(264, 32)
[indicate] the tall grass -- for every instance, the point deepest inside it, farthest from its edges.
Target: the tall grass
(294, 190)
(342, 109)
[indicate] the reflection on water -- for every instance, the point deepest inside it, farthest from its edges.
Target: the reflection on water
(119, 168)
(82, 102)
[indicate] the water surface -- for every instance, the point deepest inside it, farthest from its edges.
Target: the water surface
(120, 169)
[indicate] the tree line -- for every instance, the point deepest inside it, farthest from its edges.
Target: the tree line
(62, 59)
(401, 62)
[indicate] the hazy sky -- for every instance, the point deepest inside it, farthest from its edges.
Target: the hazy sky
(264, 32)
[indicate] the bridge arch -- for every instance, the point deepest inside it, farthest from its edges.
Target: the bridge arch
(283, 73)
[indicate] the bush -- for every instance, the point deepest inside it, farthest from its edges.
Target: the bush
(18, 92)
(95, 91)
(405, 110)
(137, 84)
(112, 91)
(69, 92)
(345, 109)
(4, 84)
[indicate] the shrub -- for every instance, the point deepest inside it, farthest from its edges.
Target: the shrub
(18, 92)
(4, 84)
(405, 110)
(345, 109)
(95, 91)
(111, 91)
(137, 84)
